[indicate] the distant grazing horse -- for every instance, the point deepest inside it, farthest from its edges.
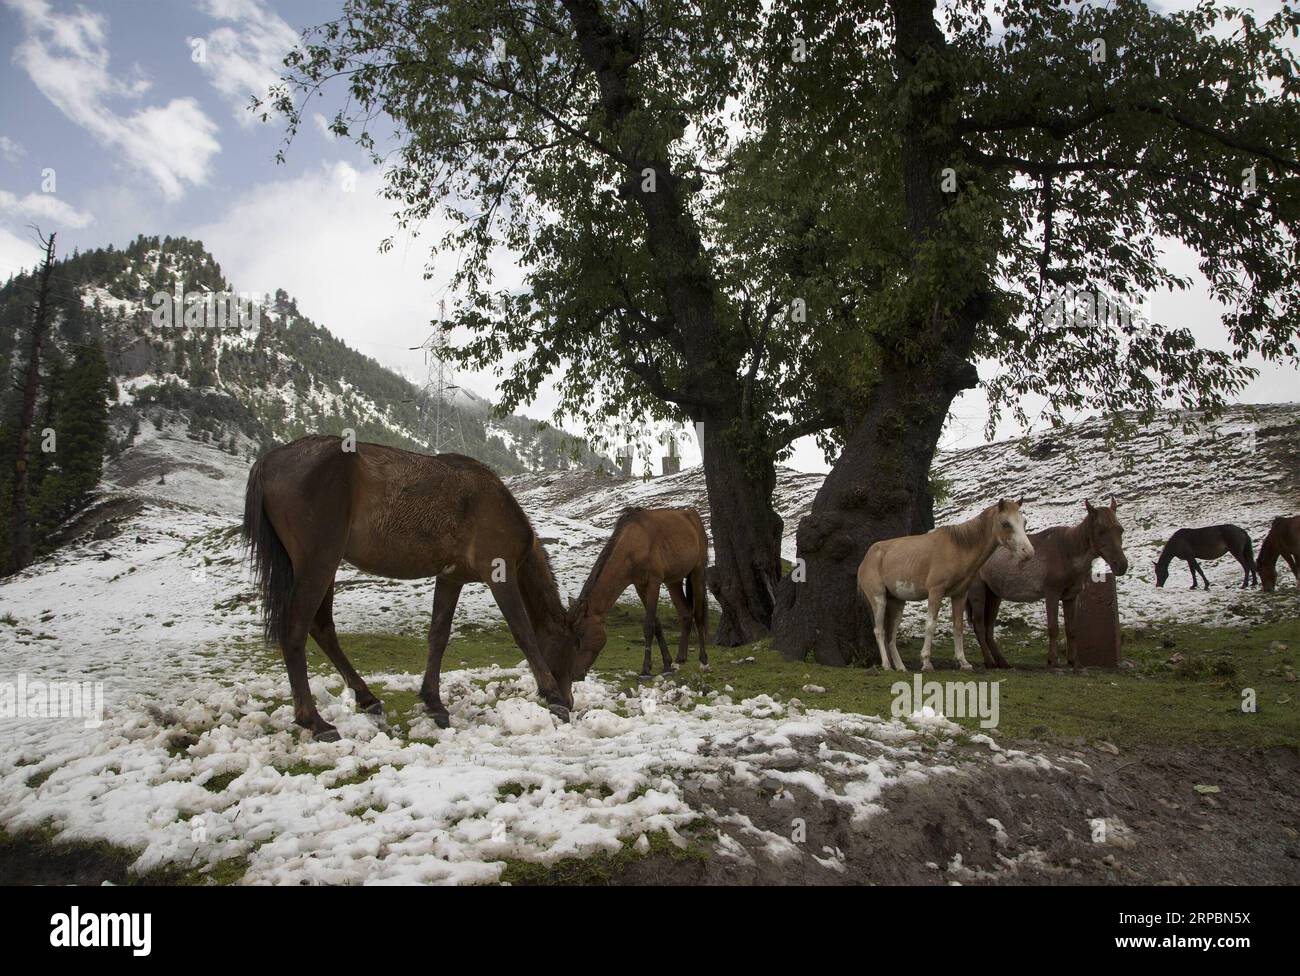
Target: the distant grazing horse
(312, 504)
(1283, 540)
(941, 563)
(649, 546)
(1063, 556)
(1209, 542)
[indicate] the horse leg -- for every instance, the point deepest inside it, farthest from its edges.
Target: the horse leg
(663, 645)
(958, 626)
(931, 621)
(893, 616)
(323, 633)
(309, 589)
(975, 598)
(878, 620)
(1052, 625)
(678, 597)
(991, 604)
(511, 601)
(1201, 570)
(649, 594)
(445, 596)
(1068, 607)
(700, 612)
(1191, 565)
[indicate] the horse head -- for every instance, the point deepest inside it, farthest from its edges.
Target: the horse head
(574, 646)
(1106, 535)
(1267, 576)
(1009, 529)
(1162, 573)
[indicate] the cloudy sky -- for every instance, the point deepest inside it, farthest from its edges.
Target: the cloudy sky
(131, 117)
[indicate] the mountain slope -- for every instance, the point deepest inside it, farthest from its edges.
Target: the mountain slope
(243, 385)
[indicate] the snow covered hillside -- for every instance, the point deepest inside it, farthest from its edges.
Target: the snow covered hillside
(197, 761)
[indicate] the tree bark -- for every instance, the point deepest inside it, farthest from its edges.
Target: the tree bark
(746, 535)
(20, 529)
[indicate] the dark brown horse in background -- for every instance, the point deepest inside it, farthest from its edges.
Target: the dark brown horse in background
(1063, 556)
(1283, 540)
(649, 546)
(1208, 542)
(312, 504)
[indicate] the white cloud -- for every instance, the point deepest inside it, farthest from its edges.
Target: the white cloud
(244, 59)
(319, 241)
(323, 124)
(17, 254)
(66, 57)
(38, 207)
(11, 150)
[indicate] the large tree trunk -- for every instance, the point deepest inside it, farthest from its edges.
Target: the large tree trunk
(877, 490)
(20, 528)
(746, 536)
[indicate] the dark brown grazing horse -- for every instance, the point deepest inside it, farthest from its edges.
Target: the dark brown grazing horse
(1063, 556)
(1283, 540)
(1208, 542)
(312, 504)
(649, 546)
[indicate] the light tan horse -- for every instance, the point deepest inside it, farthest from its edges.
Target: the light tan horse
(649, 546)
(941, 563)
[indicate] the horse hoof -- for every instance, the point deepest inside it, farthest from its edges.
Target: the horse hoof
(327, 735)
(376, 707)
(645, 676)
(559, 711)
(441, 719)
(704, 666)
(927, 666)
(967, 667)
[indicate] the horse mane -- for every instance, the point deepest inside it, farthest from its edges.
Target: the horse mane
(971, 533)
(625, 518)
(540, 591)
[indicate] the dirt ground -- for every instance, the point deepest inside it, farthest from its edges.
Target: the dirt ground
(1246, 833)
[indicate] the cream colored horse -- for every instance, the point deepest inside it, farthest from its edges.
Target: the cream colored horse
(941, 563)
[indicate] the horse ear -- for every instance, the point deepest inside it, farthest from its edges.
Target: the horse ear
(1113, 504)
(1088, 505)
(1020, 501)
(1002, 504)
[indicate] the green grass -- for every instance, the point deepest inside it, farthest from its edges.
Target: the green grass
(1194, 700)
(35, 857)
(600, 868)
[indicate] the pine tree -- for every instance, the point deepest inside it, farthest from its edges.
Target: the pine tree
(81, 426)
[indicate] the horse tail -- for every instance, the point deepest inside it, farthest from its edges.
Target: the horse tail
(697, 594)
(271, 563)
